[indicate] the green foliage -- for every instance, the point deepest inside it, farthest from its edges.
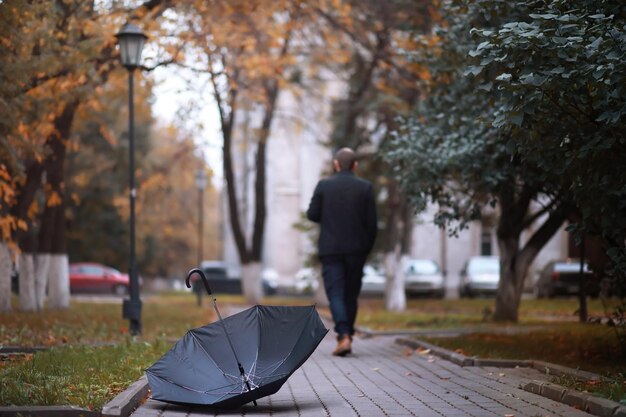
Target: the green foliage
(449, 152)
(559, 88)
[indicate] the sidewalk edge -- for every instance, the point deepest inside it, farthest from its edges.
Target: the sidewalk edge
(128, 400)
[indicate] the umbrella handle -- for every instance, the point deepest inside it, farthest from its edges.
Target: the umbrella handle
(199, 272)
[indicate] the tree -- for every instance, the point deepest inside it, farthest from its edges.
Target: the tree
(566, 59)
(56, 53)
(381, 85)
(249, 54)
(451, 152)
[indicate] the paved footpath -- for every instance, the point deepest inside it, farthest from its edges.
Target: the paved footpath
(382, 378)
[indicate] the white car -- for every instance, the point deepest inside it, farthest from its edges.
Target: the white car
(373, 281)
(480, 275)
(423, 276)
(306, 281)
(269, 278)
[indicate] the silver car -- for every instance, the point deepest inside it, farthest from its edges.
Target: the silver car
(373, 281)
(480, 275)
(423, 277)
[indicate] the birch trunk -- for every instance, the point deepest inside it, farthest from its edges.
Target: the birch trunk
(42, 262)
(395, 297)
(6, 267)
(58, 282)
(28, 301)
(251, 282)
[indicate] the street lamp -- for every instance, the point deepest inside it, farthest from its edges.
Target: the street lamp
(200, 185)
(131, 40)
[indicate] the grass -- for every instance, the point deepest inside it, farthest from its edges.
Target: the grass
(589, 347)
(97, 322)
(83, 376)
(430, 313)
(73, 372)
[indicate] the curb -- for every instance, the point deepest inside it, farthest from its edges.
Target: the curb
(128, 400)
(46, 411)
(590, 403)
(121, 406)
(597, 406)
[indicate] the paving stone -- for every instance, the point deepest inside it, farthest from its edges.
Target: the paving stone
(554, 392)
(601, 406)
(533, 387)
(501, 363)
(576, 399)
(620, 412)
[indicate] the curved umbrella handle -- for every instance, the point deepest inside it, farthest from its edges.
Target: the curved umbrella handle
(199, 272)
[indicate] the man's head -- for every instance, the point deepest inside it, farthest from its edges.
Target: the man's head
(345, 160)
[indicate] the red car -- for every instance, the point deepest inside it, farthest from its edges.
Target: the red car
(93, 277)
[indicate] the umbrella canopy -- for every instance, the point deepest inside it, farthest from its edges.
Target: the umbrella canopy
(239, 359)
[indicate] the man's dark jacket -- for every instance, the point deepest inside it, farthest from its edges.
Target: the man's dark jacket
(344, 206)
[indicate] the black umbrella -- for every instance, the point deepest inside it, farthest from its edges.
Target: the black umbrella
(238, 359)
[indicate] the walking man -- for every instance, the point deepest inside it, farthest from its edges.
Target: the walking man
(345, 208)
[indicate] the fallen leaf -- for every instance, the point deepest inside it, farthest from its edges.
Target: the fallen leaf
(408, 374)
(509, 415)
(445, 378)
(431, 360)
(423, 351)
(375, 369)
(501, 374)
(407, 352)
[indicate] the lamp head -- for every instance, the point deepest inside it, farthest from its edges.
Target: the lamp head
(131, 40)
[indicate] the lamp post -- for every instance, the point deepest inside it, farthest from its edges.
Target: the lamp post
(200, 185)
(131, 40)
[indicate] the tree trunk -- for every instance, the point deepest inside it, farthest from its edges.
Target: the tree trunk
(515, 261)
(42, 263)
(320, 297)
(395, 297)
(52, 243)
(58, 282)
(397, 246)
(251, 282)
(6, 267)
(28, 300)
(509, 288)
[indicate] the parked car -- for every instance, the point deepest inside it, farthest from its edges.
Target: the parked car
(220, 281)
(563, 278)
(480, 275)
(373, 281)
(269, 280)
(94, 277)
(306, 281)
(423, 277)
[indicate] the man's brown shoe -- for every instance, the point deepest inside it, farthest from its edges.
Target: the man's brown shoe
(344, 346)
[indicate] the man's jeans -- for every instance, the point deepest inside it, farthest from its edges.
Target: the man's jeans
(342, 281)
